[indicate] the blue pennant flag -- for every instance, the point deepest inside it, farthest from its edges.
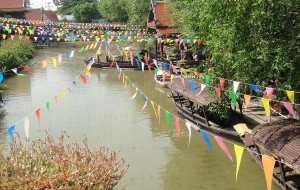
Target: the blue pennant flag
(43, 38)
(206, 139)
(254, 88)
(67, 55)
(165, 66)
(144, 97)
(74, 83)
(1, 77)
(192, 84)
(11, 132)
(138, 63)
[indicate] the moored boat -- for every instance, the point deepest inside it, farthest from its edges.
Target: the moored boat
(194, 107)
(162, 78)
(281, 140)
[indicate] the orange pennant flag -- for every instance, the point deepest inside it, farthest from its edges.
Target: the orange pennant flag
(222, 83)
(44, 64)
(27, 38)
(158, 113)
(268, 163)
(55, 99)
(199, 43)
(37, 113)
(12, 37)
(83, 79)
(218, 92)
(238, 154)
(247, 100)
(177, 125)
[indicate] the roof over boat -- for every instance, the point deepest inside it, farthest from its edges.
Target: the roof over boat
(281, 138)
(203, 98)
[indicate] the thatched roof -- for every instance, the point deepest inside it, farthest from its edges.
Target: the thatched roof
(203, 98)
(281, 138)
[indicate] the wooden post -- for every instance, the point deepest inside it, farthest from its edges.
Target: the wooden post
(269, 117)
(155, 49)
(191, 106)
(282, 175)
(161, 50)
(205, 115)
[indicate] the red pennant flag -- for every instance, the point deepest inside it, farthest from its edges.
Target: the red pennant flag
(27, 69)
(199, 43)
(37, 113)
(112, 63)
(83, 79)
(222, 83)
(146, 60)
(149, 68)
(177, 126)
(27, 38)
(218, 92)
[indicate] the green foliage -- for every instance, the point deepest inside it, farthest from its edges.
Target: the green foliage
(138, 11)
(14, 53)
(47, 164)
(114, 10)
(66, 6)
(86, 12)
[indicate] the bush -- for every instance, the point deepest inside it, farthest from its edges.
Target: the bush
(14, 53)
(45, 164)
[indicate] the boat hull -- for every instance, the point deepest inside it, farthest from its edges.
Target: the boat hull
(159, 81)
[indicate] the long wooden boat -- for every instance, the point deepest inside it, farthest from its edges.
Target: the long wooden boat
(162, 78)
(194, 107)
(281, 140)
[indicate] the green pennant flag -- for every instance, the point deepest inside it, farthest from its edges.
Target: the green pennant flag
(155, 70)
(130, 83)
(139, 57)
(9, 31)
(168, 120)
(20, 37)
(73, 40)
(81, 50)
(233, 98)
(48, 105)
(36, 63)
(207, 79)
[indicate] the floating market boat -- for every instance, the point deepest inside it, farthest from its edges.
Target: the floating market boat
(162, 78)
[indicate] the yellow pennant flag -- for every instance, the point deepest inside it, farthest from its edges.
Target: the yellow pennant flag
(158, 113)
(109, 40)
(125, 82)
(266, 103)
(158, 40)
(54, 61)
(247, 100)
(88, 74)
(88, 68)
(58, 39)
(238, 154)
(123, 78)
(63, 94)
(126, 55)
(291, 96)
(86, 48)
(102, 36)
(172, 76)
(184, 72)
(3, 36)
(91, 46)
(268, 163)
(99, 50)
(152, 103)
(44, 64)
(97, 38)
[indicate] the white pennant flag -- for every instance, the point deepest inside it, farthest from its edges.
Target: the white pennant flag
(95, 45)
(16, 72)
(136, 90)
(35, 38)
(155, 63)
(72, 54)
(143, 65)
(235, 86)
(188, 125)
(202, 88)
(59, 58)
(26, 127)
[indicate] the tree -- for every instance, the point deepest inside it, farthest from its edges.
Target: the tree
(56, 3)
(114, 10)
(67, 5)
(138, 11)
(85, 12)
(27, 3)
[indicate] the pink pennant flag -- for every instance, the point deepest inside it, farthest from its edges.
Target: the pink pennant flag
(70, 90)
(59, 58)
(84, 38)
(174, 69)
(289, 107)
(269, 92)
(95, 45)
(223, 147)
(177, 125)
(131, 60)
(146, 102)
(182, 81)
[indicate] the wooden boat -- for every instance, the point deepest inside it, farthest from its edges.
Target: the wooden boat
(112, 64)
(194, 107)
(281, 140)
(162, 80)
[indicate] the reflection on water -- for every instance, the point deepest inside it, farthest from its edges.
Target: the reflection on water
(103, 109)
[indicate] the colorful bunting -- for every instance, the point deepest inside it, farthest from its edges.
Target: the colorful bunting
(223, 147)
(11, 132)
(48, 105)
(254, 88)
(289, 107)
(27, 69)
(269, 92)
(222, 83)
(207, 79)
(168, 120)
(192, 84)
(37, 113)
(246, 100)
(266, 104)
(233, 97)
(188, 125)
(238, 154)
(83, 79)
(206, 139)
(291, 96)
(218, 92)
(177, 126)
(26, 127)
(202, 88)
(268, 163)
(235, 86)
(152, 103)
(135, 93)
(158, 113)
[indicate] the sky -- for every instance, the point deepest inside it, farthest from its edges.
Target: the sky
(39, 3)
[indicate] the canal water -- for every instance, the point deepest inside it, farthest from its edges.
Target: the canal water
(103, 109)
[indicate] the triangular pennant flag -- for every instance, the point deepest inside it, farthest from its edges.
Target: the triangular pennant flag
(143, 65)
(268, 163)
(165, 66)
(246, 100)
(152, 103)
(254, 88)
(11, 132)
(83, 79)
(70, 90)
(177, 126)
(233, 97)
(206, 139)
(26, 127)
(15, 71)
(289, 107)
(207, 79)
(291, 96)
(63, 94)
(138, 63)
(184, 71)
(269, 92)
(54, 61)
(48, 105)
(172, 77)
(188, 125)
(222, 83)
(266, 103)
(158, 113)
(44, 64)
(192, 84)
(223, 147)
(59, 58)
(202, 88)
(72, 54)
(182, 81)
(136, 90)
(218, 92)
(145, 99)
(67, 55)
(38, 115)
(55, 99)
(168, 119)
(1, 77)
(174, 69)
(238, 154)
(27, 69)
